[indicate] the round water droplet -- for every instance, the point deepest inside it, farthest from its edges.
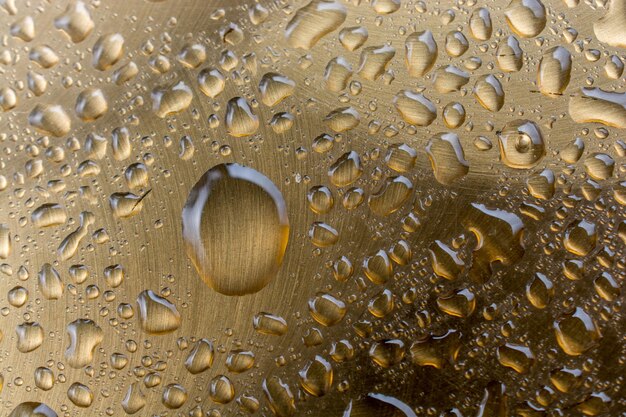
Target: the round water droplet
(236, 229)
(521, 144)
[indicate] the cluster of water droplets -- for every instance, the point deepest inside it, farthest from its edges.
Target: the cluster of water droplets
(402, 207)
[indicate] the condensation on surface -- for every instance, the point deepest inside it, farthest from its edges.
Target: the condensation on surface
(318, 207)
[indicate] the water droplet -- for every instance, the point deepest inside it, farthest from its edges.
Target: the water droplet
(192, 55)
(313, 21)
(378, 267)
(156, 314)
(353, 37)
(171, 99)
(323, 235)
(527, 18)
(239, 360)
(449, 79)
(386, 353)
(29, 336)
(23, 29)
(44, 378)
(599, 166)
(320, 199)
(458, 303)
(317, 376)
(445, 261)
(489, 93)
(50, 119)
(521, 144)
(374, 61)
(517, 357)
(611, 28)
(80, 395)
(75, 21)
(200, 357)
(107, 50)
(125, 204)
(266, 323)
(240, 120)
(48, 215)
(554, 71)
(542, 185)
(174, 396)
(415, 108)
(594, 105)
(91, 104)
(134, 400)
(32, 409)
(279, 397)
(44, 56)
(391, 195)
(509, 55)
(606, 286)
(275, 88)
(346, 169)
(256, 206)
(447, 157)
(382, 304)
(8, 98)
(499, 234)
(421, 52)
(84, 337)
(337, 74)
(343, 119)
(480, 24)
(326, 309)
(540, 291)
(436, 350)
(576, 332)
(456, 43)
(50, 283)
(221, 390)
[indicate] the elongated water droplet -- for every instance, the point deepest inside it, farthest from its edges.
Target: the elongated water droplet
(554, 71)
(313, 21)
(489, 92)
(107, 50)
(594, 105)
(84, 337)
(415, 108)
(421, 52)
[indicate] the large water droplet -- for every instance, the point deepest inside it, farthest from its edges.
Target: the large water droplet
(521, 144)
(313, 21)
(235, 228)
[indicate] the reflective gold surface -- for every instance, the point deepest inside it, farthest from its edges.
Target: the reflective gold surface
(450, 174)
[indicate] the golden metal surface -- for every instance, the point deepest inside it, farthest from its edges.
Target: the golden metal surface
(480, 276)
